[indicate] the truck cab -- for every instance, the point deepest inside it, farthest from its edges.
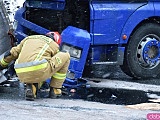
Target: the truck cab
(103, 32)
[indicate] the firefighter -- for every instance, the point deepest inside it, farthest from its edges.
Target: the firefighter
(37, 59)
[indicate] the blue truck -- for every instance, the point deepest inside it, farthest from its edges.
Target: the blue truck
(98, 32)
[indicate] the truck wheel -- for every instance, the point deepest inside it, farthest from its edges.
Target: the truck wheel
(142, 55)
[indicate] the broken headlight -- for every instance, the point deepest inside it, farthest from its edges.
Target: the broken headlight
(70, 75)
(73, 51)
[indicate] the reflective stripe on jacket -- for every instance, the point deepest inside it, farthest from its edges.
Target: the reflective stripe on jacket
(30, 66)
(37, 63)
(3, 62)
(33, 54)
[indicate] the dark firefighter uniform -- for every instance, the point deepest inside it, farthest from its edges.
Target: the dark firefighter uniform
(38, 58)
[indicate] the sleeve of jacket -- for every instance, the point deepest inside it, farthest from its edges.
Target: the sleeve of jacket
(54, 48)
(12, 54)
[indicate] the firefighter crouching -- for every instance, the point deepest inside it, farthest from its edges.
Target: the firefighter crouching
(38, 58)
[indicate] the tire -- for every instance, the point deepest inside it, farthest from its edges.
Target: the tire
(142, 54)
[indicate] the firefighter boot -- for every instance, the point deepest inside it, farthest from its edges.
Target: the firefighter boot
(55, 92)
(30, 92)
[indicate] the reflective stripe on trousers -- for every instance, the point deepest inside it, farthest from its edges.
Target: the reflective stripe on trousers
(60, 76)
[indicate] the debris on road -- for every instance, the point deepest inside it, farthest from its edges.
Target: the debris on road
(145, 106)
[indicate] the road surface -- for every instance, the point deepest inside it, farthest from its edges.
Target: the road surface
(15, 107)
(64, 109)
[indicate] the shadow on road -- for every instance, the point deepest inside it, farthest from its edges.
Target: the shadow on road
(95, 94)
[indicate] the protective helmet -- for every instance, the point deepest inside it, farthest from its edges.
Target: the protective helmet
(55, 36)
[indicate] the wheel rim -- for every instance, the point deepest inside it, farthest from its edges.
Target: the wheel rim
(148, 52)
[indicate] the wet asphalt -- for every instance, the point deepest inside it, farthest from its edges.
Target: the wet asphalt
(15, 91)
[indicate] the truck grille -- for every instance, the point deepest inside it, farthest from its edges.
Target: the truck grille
(76, 13)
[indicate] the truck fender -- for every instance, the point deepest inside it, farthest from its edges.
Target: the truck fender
(137, 17)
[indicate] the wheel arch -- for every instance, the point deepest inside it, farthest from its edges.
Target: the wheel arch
(149, 20)
(138, 18)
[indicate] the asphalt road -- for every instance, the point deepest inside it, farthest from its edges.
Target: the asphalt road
(71, 109)
(99, 103)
